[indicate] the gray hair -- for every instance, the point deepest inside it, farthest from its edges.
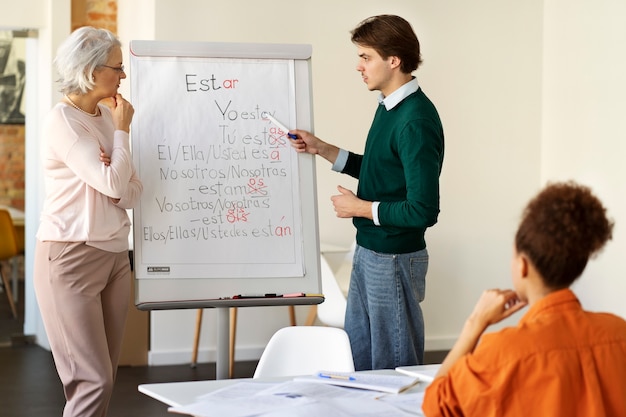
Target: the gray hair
(80, 54)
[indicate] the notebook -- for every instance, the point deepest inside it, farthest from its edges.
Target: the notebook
(425, 373)
(393, 384)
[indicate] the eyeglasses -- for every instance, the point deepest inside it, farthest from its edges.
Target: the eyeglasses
(118, 69)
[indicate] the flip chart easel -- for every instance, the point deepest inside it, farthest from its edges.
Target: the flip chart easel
(228, 207)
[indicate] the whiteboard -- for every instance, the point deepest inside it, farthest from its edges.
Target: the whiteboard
(228, 207)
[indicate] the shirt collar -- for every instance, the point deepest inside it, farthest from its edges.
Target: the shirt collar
(400, 94)
(556, 299)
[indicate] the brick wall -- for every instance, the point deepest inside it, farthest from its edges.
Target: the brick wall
(97, 13)
(12, 177)
(12, 162)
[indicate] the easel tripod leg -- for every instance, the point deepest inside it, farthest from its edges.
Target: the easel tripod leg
(196, 339)
(223, 324)
(231, 347)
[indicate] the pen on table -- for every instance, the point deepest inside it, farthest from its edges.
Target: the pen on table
(334, 376)
(279, 124)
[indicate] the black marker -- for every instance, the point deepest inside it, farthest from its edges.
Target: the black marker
(269, 295)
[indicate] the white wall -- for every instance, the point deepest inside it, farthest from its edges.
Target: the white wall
(527, 92)
(27, 14)
(482, 68)
(584, 135)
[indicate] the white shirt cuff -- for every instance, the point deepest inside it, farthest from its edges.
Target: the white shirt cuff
(375, 212)
(340, 162)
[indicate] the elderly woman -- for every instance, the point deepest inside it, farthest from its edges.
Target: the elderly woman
(559, 360)
(82, 270)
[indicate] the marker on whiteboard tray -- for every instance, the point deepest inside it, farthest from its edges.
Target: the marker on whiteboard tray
(282, 127)
(267, 295)
(294, 294)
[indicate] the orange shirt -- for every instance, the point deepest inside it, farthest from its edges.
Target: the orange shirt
(559, 361)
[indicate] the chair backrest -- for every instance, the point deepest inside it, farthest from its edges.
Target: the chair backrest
(304, 350)
(332, 311)
(8, 239)
(343, 272)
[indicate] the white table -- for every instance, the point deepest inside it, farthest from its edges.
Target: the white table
(176, 394)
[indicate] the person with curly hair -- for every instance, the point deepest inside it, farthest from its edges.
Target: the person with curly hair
(559, 359)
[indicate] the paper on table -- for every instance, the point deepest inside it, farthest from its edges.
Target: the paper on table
(424, 373)
(410, 402)
(279, 399)
(243, 407)
(239, 390)
(393, 384)
(345, 407)
(319, 391)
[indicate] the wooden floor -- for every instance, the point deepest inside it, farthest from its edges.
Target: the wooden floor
(30, 387)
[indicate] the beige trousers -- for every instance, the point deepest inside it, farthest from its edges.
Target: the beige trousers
(83, 295)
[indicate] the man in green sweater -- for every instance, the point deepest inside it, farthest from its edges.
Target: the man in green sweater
(396, 200)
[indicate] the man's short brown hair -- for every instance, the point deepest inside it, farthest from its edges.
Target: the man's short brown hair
(390, 35)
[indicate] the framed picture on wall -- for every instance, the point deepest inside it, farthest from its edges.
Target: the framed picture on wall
(12, 78)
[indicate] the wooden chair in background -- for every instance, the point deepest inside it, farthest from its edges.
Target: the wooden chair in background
(8, 250)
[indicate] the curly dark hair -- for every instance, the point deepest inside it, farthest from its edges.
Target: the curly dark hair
(561, 228)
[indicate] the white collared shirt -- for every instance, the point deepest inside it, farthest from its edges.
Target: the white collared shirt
(400, 94)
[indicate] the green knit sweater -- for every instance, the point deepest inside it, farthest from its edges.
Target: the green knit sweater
(400, 167)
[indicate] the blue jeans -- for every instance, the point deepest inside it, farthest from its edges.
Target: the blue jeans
(383, 317)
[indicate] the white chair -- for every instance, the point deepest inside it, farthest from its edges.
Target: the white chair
(304, 350)
(332, 311)
(342, 274)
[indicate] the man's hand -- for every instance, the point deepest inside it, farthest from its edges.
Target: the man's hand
(347, 204)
